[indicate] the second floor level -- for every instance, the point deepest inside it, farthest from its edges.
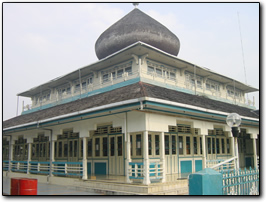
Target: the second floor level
(138, 62)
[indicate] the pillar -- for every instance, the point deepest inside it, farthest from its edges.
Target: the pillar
(85, 171)
(29, 158)
(162, 156)
(10, 157)
(203, 151)
(146, 162)
(255, 151)
(128, 156)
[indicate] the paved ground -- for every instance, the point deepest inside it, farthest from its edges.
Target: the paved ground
(48, 189)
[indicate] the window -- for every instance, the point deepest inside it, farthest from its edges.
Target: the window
(228, 146)
(90, 80)
(157, 145)
(200, 145)
(131, 149)
(159, 72)
(188, 150)
(166, 142)
(84, 85)
(59, 149)
(97, 146)
(128, 70)
(180, 142)
(150, 144)
(218, 145)
(65, 148)
(212, 85)
(172, 76)
(120, 146)
(209, 146)
(113, 74)
(173, 144)
(223, 146)
(68, 90)
(89, 147)
(150, 70)
(105, 146)
(213, 145)
(112, 142)
(75, 148)
(195, 145)
(120, 73)
(105, 78)
(70, 149)
(77, 88)
(138, 145)
(81, 148)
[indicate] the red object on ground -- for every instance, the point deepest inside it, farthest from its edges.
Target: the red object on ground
(14, 186)
(27, 186)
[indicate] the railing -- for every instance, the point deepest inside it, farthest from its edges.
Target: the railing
(67, 168)
(5, 165)
(19, 166)
(136, 170)
(240, 182)
(156, 170)
(35, 167)
(225, 165)
(39, 167)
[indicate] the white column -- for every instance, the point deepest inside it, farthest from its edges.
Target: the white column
(146, 179)
(162, 156)
(255, 153)
(128, 156)
(29, 158)
(85, 171)
(236, 152)
(203, 151)
(51, 154)
(10, 157)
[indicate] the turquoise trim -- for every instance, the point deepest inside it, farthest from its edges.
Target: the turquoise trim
(43, 172)
(139, 164)
(84, 95)
(192, 92)
(132, 177)
(189, 110)
(73, 163)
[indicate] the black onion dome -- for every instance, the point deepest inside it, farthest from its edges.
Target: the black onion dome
(136, 26)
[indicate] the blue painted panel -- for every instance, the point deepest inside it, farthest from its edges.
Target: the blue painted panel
(89, 168)
(186, 166)
(198, 165)
(100, 168)
(248, 162)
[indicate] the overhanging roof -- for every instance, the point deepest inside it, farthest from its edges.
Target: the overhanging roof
(128, 98)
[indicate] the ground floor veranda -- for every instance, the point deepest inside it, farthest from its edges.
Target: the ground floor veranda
(131, 147)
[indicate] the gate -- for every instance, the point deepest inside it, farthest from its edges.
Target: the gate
(241, 182)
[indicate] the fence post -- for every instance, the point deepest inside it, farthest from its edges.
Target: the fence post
(205, 182)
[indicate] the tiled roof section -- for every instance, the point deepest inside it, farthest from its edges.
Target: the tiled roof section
(132, 91)
(195, 100)
(117, 95)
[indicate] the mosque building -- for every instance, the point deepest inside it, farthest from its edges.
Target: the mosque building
(139, 113)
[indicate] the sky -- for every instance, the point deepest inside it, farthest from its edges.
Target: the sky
(42, 41)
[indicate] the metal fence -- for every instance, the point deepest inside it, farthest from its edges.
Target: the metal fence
(241, 182)
(36, 167)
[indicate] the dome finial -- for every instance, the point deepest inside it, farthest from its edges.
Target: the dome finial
(136, 5)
